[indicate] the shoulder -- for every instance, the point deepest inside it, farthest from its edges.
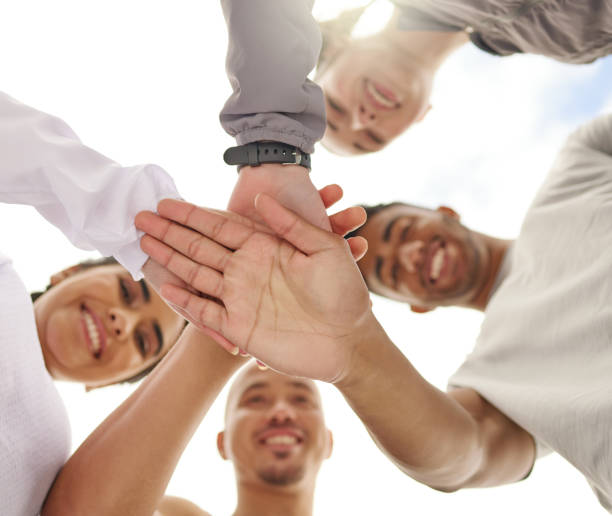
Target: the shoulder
(594, 135)
(174, 506)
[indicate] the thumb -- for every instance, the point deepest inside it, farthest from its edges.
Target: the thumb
(287, 225)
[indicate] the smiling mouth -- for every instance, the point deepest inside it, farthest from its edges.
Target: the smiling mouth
(93, 336)
(285, 440)
(281, 439)
(379, 96)
(437, 262)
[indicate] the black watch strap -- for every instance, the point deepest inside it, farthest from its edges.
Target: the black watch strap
(254, 154)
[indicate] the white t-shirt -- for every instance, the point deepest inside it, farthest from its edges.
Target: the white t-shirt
(93, 200)
(544, 353)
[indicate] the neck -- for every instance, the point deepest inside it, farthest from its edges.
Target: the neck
(256, 500)
(496, 250)
(427, 48)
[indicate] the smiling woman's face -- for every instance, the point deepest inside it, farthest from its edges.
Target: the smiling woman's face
(99, 326)
(373, 94)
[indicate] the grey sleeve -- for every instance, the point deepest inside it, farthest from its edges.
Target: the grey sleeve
(273, 46)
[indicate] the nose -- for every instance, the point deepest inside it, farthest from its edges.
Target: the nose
(121, 322)
(362, 118)
(281, 414)
(411, 255)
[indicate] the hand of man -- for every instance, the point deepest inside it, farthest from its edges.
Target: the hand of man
(298, 303)
(289, 184)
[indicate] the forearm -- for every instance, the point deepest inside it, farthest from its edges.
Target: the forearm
(426, 433)
(273, 45)
(125, 464)
(91, 198)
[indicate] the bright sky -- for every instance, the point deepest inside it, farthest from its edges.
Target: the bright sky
(143, 81)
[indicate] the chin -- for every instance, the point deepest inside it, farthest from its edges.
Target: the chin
(281, 476)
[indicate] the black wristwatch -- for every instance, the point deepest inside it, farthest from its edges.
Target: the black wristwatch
(257, 153)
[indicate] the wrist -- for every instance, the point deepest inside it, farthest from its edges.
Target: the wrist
(264, 152)
(362, 363)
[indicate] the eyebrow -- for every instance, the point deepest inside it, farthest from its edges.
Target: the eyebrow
(375, 137)
(387, 233)
(160, 337)
(256, 385)
(146, 294)
(361, 147)
(378, 268)
(301, 385)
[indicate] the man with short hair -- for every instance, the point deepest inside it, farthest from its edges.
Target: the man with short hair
(276, 438)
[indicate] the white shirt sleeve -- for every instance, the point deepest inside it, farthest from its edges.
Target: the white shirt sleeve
(89, 197)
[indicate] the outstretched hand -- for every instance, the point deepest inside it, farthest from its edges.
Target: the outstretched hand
(341, 223)
(295, 301)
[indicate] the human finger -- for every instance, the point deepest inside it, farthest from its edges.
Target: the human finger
(286, 224)
(207, 312)
(330, 195)
(347, 220)
(201, 277)
(358, 246)
(184, 240)
(232, 349)
(220, 227)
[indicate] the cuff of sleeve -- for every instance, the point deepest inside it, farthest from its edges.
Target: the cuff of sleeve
(258, 134)
(161, 186)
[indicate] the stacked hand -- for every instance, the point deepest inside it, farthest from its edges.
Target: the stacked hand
(294, 300)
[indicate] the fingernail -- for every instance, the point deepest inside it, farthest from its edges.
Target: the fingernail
(234, 350)
(243, 353)
(261, 366)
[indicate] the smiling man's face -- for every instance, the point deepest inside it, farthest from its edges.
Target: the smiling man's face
(275, 431)
(423, 257)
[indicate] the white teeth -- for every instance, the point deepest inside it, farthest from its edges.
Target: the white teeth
(281, 439)
(380, 98)
(92, 331)
(436, 264)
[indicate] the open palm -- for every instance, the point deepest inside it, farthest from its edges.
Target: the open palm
(295, 302)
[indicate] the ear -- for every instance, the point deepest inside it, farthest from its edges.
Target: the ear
(221, 445)
(63, 274)
(422, 115)
(449, 211)
(420, 309)
(330, 444)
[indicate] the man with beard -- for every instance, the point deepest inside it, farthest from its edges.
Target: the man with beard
(538, 378)
(427, 258)
(276, 438)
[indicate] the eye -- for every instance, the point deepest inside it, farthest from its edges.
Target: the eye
(302, 400)
(405, 232)
(338, 109)
(142, 344)
(395, 273)
(255, 399)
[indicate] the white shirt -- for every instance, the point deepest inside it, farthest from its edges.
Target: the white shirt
(93, 200)
(544, 354)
